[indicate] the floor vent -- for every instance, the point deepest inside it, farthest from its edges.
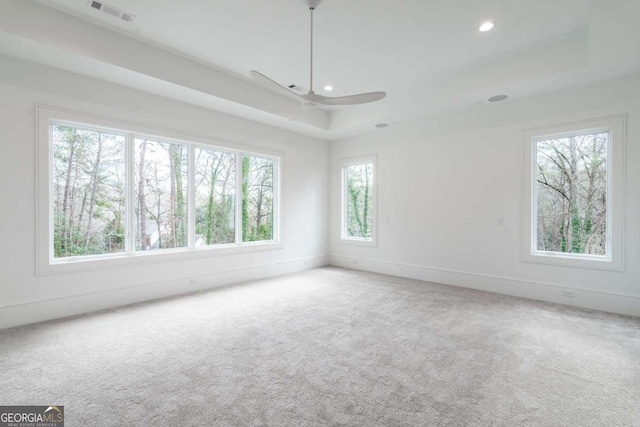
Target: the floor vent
(110, 10)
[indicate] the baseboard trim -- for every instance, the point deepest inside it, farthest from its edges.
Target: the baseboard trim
(585, 298)
(70, 305)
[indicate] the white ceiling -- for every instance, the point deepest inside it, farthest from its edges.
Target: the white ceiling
(428, 55)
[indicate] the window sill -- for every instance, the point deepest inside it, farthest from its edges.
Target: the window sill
(577, 261)
(71, 264)
(358, 242)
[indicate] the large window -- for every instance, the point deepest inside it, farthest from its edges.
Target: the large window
(359, 200)
(88, 180)
(215, 195)
(112, 191)
(257, 199)
(574, 197)
(160, 185)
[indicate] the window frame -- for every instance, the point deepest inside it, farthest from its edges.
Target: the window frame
(344, 203)
(46, 263)
(614, 260)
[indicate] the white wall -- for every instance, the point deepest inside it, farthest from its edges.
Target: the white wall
(444, 184)
(25, 297)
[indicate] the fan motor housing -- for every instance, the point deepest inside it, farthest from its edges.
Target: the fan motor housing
(312, 4)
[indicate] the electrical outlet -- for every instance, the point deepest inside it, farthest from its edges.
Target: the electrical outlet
(194, 281)
(569, 294)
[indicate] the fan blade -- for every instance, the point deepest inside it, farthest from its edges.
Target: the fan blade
(266, 81)
(362, 98)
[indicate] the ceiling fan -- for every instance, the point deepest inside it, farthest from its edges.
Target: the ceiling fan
(311, 99)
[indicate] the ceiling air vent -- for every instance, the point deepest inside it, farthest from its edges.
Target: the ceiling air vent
(110, 10)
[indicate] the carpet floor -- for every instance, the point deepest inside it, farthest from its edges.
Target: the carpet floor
(331, 347)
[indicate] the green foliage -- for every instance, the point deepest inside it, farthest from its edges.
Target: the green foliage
(89, 194)
(88, 183)
(359, 180)
(257, 199)
(214, 221)
(114, 235)
(576, 231)
(215, 196)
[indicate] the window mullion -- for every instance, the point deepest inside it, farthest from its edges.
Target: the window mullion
(238, 198)
(130, 209)
(191, 203)
(50, 194)
(345, 204)
(277, 205)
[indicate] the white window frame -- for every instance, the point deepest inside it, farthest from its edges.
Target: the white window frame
(344, 204)
(614, 260)
(45, 262)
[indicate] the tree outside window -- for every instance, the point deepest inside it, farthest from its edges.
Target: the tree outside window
(257, 199)
(572, 194)
(161, 194)
(88, 192)
(113, 192)
(358, 213)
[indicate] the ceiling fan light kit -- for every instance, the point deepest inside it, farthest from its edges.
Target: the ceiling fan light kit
(311, 99)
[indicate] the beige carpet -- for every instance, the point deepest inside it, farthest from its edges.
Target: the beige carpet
(331, 347)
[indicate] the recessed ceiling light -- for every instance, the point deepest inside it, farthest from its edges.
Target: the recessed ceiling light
(382, 125)
(486, 26)
(497, 98)
(328, 88)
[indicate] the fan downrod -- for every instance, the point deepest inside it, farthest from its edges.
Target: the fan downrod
(311, 100)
